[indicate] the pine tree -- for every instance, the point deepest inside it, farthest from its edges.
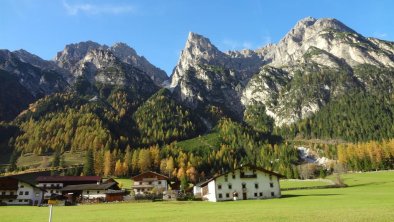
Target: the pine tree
(88, 168)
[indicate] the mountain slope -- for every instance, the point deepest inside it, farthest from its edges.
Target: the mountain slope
(76, 58)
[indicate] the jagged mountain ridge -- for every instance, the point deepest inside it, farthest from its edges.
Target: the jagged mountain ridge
(323, 49)
(330, 53)
(118, 66)
(74, 57)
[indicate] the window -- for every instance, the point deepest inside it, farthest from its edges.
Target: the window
(220, 195)
(255, 194)
(256, 185)
(159, 182)
(150, 182)
(233, 175)
(226, 178)
(20, 201)
(272, 194)
(243, 185)
(22, 186)
(261, 194)
(11, 193)
(227, 195)
(3, 193)
(51, 191)
(270, 177)
(140, 183)
(230, 186)
(25, 200)
(219, 186)
(98, 192)
(9, 200)
(271, 185)
(138, 190)
(26, 192)
(88, 192)
(45, 185)
(20, 192)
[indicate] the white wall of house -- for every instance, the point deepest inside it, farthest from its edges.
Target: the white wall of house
(148, 185)
(197, 191)
(92, 194)
(51, 188)
(211, 195)
(263, 185)
(27, 195)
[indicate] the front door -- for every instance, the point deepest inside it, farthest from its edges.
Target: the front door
(244, 196)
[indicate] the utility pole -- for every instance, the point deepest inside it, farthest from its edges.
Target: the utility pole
(50, 212)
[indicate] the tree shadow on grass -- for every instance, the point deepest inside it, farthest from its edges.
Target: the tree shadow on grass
(309, 195)
(370, 184)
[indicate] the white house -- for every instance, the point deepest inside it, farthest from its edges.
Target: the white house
(91, 191)
(247, 182)
(14, 191)
(148, 182)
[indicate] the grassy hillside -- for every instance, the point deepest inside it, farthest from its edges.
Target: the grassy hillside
(206, 143)
(369, 197)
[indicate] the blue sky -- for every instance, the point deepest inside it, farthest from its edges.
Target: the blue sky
(158, 29)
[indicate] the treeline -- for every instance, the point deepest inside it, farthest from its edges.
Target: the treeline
(355, 117)
(371, 155)
(238, 145)
(68, 122)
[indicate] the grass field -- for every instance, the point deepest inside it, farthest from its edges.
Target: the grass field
(124, 183)
(285, 184)
(369, 197)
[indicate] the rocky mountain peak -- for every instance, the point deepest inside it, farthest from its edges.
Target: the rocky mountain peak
(73, 53)
(128, 55)
(198, 50)
(122, 50)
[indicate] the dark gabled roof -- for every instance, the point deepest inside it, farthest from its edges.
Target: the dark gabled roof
(11, 182)
(68, 178)
(8, 183)
(149, 174)
(103, 186)
(30, 178)
(201, 184)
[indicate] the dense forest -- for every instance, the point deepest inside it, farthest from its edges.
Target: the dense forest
(355, 117)
(122, 132)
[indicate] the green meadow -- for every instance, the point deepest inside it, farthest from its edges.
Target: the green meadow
(368, 197)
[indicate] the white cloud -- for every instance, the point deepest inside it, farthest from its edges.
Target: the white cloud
(93, 9)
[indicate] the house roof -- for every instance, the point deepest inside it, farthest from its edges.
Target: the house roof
(47, 179)
(103, 186)
(149, 174)
(8, 183)
(201, 184)
(11, 182)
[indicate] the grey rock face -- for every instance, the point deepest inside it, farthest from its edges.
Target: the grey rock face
(78, 57)
(39, 79)
(130, 56)
(313, 63)
(205, 75)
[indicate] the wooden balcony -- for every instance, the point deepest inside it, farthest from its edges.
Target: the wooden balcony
(8, 196)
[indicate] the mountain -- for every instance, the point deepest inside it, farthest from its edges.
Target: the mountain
(76, 58)
(206, 76)
(26, 78)
(317, 61)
